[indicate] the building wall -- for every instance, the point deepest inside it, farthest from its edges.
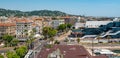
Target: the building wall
(20, 29)
(7, 30)
(79, 25)
(56, 23)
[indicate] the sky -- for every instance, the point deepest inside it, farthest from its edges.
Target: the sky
(110, 8)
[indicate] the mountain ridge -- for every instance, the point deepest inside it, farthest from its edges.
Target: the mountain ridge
(8, 12)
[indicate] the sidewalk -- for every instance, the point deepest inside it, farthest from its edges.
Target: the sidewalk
(62, 37)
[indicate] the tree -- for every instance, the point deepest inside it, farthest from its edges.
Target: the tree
(1, 56)
(7, 38)
(46, 30)
(14, 42)
(49, 32)
(12, 55)
(69, 25)
(62, 27)
(21, 51)
(78, 40)
(52, 32)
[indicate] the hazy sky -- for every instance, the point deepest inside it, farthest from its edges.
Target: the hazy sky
(79, 7)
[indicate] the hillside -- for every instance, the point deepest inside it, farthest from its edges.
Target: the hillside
(7, 12)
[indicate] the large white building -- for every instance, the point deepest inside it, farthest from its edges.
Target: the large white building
(22, 28)
(96, 24)
(78, 25)
(57, 22)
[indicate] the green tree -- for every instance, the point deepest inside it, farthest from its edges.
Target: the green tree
(62, 27)
(14, 42)
(49, 32)
(7, 38)
(69, 26)
(46, 30)
(21, 51)
(1, 56)
(12, 55)
(52, 32)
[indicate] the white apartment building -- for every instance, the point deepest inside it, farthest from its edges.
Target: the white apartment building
(22, 28)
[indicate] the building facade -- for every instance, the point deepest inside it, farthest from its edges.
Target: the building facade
(7, 28)
(57, 22)
(96, 24)
(22, 28)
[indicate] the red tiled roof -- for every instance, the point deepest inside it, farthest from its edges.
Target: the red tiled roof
(7, 24)
(23, 20)
(68, 51)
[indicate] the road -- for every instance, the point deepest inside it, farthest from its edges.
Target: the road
(38, 48)
(44, 42)
(63, 36)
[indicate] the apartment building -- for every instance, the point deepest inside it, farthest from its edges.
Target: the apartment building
(7, 28)
(22, 28)
(56, 22)
(38, 24)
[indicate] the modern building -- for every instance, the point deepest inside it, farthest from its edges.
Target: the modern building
(22, 28)
(66, 51)
(96, 24)
(56, 22)
(103, 28)
(112, 30)
(7, 28)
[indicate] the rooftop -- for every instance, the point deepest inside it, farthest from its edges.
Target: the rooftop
(68, 51)
(23, 20)
(7, 24)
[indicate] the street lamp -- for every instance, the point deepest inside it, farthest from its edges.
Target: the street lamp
(92, 46)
